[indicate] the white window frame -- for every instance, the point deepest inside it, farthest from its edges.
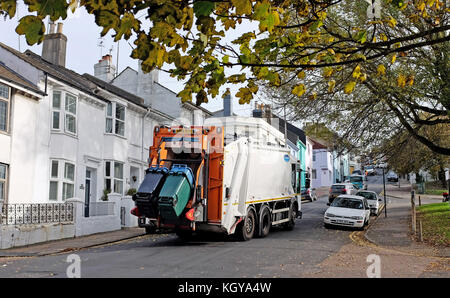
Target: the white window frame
(114, 120)
(8, 107)
(5, 182)
(63, 112)
(112, 178)
(60, 179)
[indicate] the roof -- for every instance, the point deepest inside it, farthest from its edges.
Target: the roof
(11, 76)
(187, 102)
(115, 90)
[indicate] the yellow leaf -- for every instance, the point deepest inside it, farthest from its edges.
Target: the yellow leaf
(312, 96)
(381, 70)
(349, 87)
(242, 6)
(327, 72)
(401, 81)
(357, 72)
(392, 22)
(299, 90)
(331, 85)
(394, 58)
(362, 78)
(301, 75)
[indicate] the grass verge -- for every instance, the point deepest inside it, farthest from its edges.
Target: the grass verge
(435, 223)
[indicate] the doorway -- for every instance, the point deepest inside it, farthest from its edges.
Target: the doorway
(89, 190)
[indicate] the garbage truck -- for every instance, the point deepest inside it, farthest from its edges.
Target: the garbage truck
(233, 175)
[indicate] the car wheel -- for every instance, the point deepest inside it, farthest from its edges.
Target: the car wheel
(327, 226)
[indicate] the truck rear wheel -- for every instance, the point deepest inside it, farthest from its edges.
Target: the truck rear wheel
(265, 222)
(246, 228)
(289, 226)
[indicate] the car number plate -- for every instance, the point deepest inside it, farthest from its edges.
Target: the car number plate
(342, 221)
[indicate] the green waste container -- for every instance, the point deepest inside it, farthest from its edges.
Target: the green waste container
(175, 193)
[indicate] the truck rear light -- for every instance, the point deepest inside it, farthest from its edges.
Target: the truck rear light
(190, 214)
(135, 212)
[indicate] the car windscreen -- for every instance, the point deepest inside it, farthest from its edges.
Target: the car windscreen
(367, 195)
(348, 203)
(336, 187)
(369, 168)
(356, 179)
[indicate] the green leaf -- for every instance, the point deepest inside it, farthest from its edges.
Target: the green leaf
(55, 9)
(33, 28)
(8, 6)
(203, 8)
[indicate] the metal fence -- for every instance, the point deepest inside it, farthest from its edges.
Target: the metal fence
(101, 208)
(22, 214)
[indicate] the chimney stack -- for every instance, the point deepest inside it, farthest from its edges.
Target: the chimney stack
(54, 46)
(227, 106)
(105, 70)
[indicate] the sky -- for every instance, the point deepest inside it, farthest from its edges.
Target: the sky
(83, 51)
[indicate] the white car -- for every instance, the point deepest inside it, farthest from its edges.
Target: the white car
(349, 211)
(375, 203)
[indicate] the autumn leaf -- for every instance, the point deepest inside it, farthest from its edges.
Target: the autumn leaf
(349, 87)
(299, 90)
(243, 7)
(401, 81)
(381, 70)
(33, 28)
(203, 8)
(331, 85)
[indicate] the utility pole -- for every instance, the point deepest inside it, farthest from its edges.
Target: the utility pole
(384, 192)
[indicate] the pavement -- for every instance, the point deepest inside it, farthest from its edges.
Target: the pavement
(72, 244)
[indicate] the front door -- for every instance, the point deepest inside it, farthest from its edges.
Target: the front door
(87, 193)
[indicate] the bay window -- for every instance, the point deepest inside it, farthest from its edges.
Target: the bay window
(4, 107)
(114, 176)
(3, 182)
(62, 180)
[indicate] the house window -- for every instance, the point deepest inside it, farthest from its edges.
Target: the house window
(314, 156)
(314, 174)
(4, 107)
(62, 180)
(3, 181)
(115, 119)
(69, 113)
(114, 176)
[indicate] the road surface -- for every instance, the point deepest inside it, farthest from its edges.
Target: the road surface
(281, 254)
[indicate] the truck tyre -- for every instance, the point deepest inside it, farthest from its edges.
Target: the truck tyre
(246, 228)
(265, 222)
(289, 226)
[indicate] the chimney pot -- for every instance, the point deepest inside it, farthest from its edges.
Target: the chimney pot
(60, 28)
(52, 28)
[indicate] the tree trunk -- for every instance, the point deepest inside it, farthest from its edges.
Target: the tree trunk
(441, 175)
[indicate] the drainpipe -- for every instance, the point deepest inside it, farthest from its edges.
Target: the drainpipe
(142, 136)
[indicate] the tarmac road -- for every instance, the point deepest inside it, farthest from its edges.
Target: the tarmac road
(281, 254)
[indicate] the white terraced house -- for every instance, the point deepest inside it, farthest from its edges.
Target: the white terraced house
(65, 135)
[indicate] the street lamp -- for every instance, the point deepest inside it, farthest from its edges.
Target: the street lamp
(384, 192)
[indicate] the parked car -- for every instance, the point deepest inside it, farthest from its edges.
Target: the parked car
(349, 211)
(309, 194)
(375, 203)
(357, 172)
(370, 170)
(392, 177)
(341, 189)
(358, 181)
